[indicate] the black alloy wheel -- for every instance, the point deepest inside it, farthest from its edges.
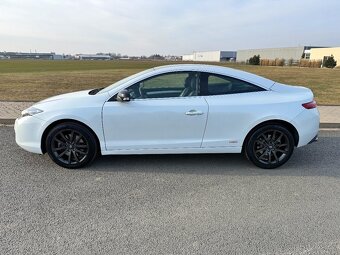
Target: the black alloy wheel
(71, 145)
(270, 146)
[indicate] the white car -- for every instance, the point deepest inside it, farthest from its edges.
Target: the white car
(185, 108)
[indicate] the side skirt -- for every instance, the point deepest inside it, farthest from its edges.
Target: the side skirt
(175, 151)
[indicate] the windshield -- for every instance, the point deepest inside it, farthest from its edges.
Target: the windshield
(118, 83)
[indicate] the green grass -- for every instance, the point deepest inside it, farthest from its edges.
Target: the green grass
(33, 80)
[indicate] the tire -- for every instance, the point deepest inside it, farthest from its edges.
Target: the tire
(71, 145)
(269, 146)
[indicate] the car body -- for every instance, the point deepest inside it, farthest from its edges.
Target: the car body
(185, 108)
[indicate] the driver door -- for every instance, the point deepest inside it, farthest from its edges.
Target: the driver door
(164, 113)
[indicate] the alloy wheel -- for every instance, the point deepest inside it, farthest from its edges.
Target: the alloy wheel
(271, 147)
(70, 147)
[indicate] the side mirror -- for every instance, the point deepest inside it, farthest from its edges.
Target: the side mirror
(123, 96)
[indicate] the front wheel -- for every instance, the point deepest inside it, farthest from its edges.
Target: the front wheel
(269, 146)
(71, 145)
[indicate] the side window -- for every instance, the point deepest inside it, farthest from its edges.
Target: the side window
(221, 85)
(179, 84)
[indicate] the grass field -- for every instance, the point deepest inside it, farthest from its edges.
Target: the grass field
(33, 80)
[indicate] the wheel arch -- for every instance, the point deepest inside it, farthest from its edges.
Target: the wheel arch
(57, 122)
(283, 123)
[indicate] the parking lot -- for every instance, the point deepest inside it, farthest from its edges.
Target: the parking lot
(171, 204)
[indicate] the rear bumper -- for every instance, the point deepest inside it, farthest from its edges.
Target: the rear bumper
(315, 139)
(307, 124)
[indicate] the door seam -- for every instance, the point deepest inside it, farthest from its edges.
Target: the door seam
(206, 122)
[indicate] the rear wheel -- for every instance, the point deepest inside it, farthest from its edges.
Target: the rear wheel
(269, 146)
(71, 145)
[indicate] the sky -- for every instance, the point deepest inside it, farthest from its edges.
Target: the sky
(166, 27)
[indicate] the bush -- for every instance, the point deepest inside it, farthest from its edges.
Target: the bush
(254, 60)
(272, 62)
(279, 62)
(264, 62)
(330, 62)
(291, 62)
(304, 63)
(310, 63)
(316, 63)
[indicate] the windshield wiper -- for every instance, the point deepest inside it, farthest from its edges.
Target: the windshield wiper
(95, 91)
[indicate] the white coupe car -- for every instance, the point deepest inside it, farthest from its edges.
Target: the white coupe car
(185, 108)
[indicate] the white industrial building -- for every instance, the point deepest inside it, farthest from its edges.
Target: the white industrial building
(188, 57)
(210, 56)
(295, 53)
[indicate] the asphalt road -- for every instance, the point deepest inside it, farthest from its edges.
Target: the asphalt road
(170, 204)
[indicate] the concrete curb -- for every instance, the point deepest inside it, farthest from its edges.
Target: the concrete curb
(7, 121)
(329, 125)
(322, 125)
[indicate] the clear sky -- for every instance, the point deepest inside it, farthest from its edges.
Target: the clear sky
(144, 27)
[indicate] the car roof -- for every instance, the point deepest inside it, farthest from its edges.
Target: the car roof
(238, 74)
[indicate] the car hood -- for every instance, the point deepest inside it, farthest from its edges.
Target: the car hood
(73, 95)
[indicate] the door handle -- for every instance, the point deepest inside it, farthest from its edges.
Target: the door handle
(193, 112)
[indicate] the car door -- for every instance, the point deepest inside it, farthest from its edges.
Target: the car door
(234, 105)
(164, 113)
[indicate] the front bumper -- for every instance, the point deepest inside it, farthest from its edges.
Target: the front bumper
(28, 133)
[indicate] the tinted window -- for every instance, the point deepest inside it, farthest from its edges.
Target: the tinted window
(180, 84)
(220, 85)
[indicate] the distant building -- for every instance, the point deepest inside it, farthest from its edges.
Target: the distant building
(295, 53)
(57, 57)
(93, 57)
(172, 58)
(210, 56)
(323, 53)
(188, 57)
(27, 55)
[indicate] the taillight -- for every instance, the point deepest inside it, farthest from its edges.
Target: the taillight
(310, 105)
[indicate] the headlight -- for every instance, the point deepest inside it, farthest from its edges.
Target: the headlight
(30, 112)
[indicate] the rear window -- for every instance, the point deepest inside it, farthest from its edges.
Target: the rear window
(221, 85)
